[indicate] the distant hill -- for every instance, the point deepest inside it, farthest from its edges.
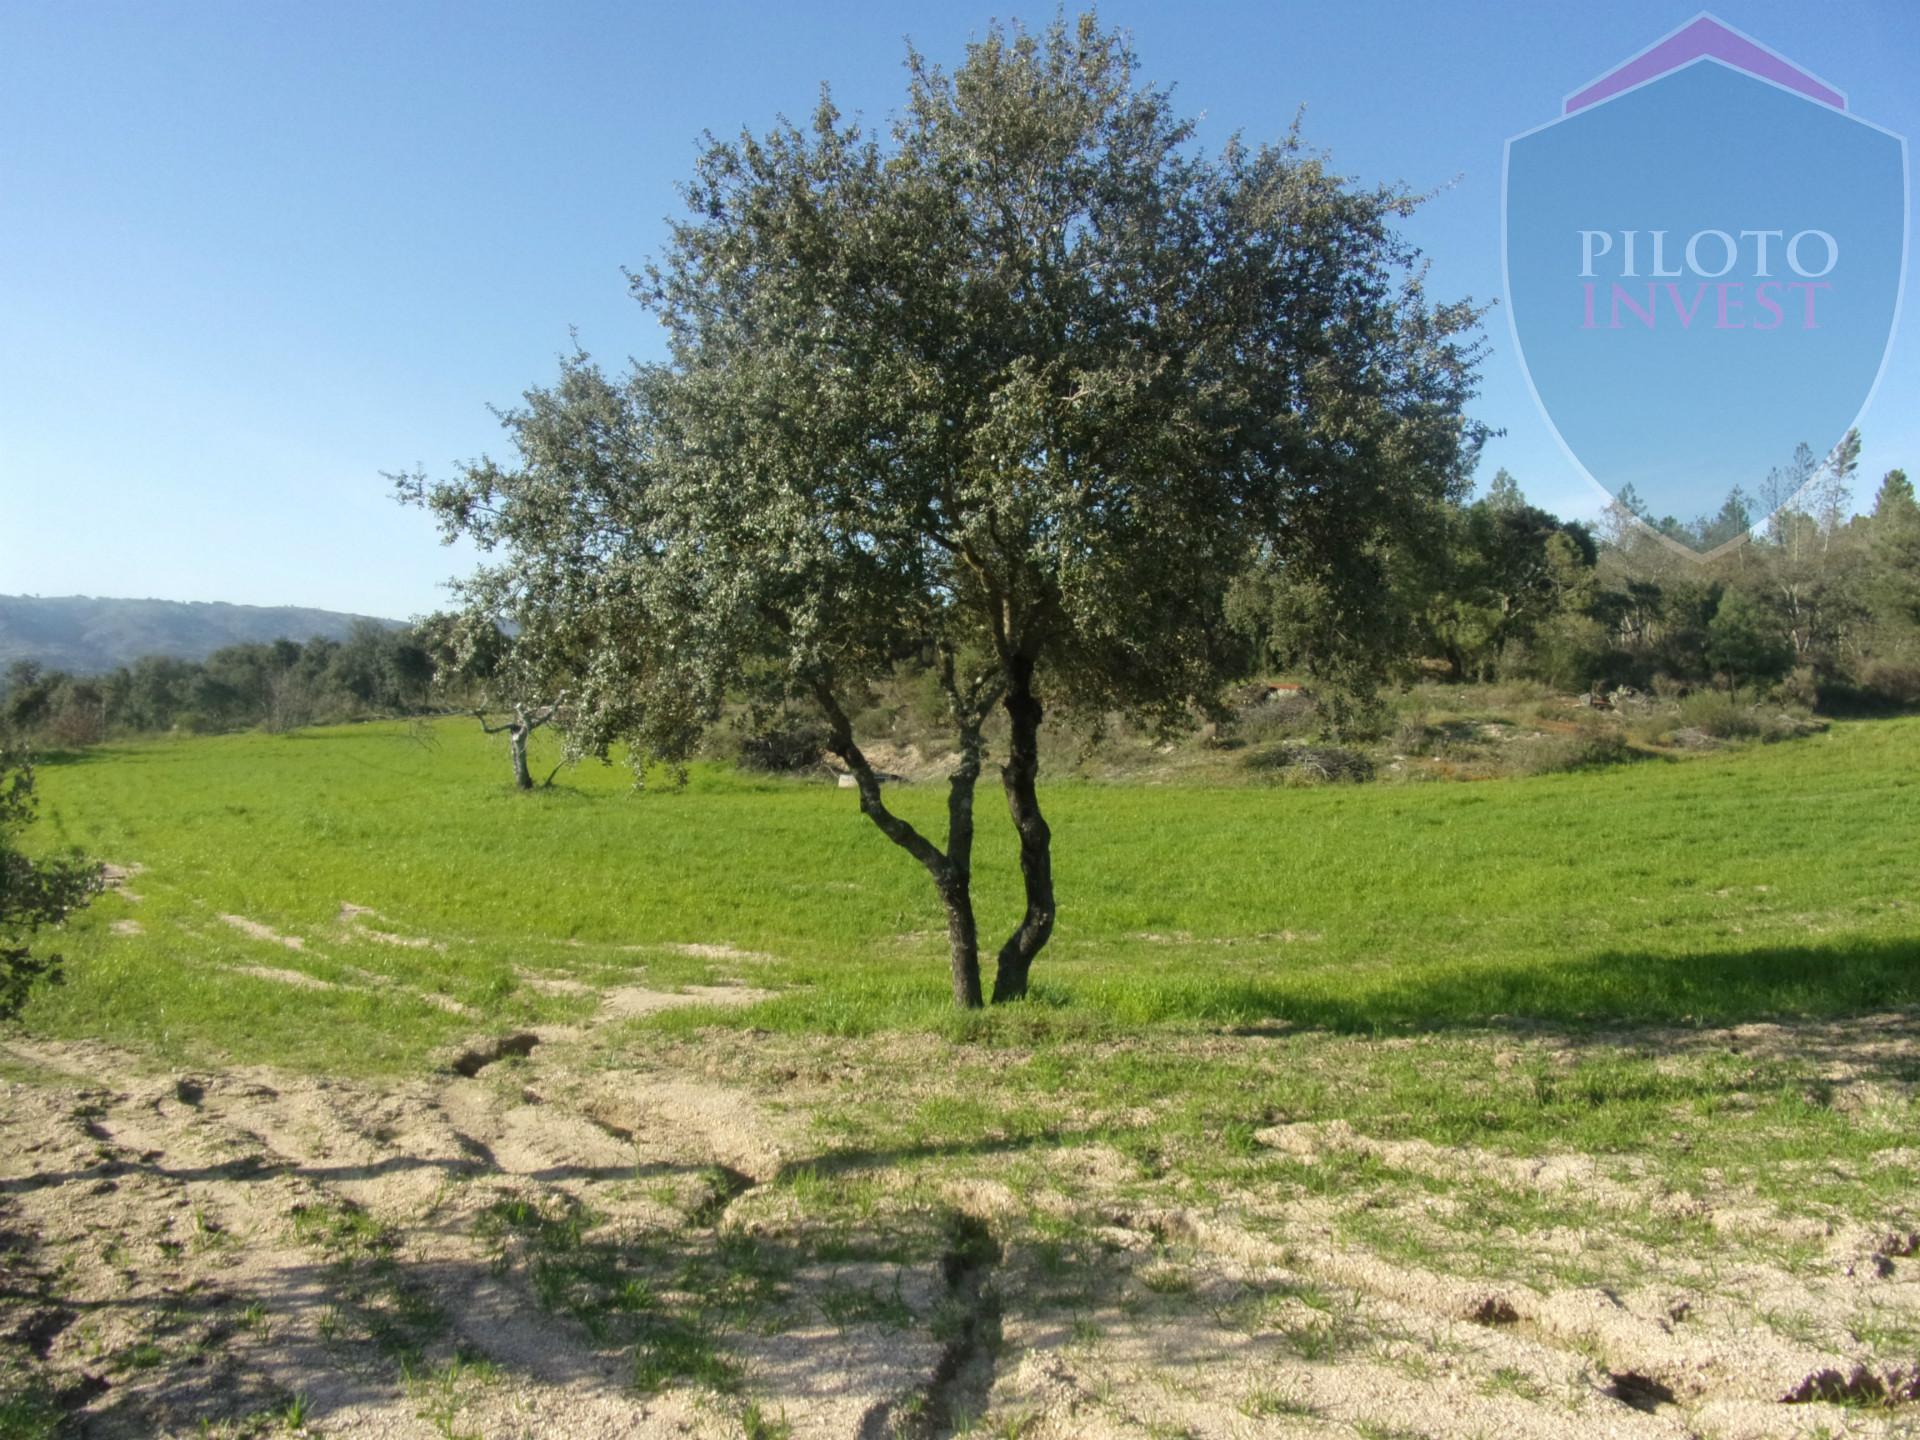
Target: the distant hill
(88, 635)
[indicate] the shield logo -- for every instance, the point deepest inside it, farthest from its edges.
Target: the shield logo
(1704, 255)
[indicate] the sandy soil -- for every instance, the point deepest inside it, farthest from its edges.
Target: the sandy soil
(174, 1259)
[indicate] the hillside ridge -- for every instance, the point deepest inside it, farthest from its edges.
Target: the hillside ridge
(87, 634)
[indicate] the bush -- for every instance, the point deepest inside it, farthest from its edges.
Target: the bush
(782, 745)
(33, 893)
(1718, 715)
(1722, 715)
(1415, 736)
(1570, 652)
(1553, 754)
(1800, 689)
(1314, 764)
(1282, 717)
(74, 727)
(1744, 643)
(1890, 685)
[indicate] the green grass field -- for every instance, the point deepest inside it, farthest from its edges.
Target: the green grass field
(1574, 1104)
(1769, 882)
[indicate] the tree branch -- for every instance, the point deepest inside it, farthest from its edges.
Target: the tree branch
(841, 742)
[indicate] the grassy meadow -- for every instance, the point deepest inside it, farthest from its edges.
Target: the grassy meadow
(1574, 1104)
(1761, 883)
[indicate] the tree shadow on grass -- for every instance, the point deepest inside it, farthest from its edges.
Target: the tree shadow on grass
(1606, 989)
(66, 757)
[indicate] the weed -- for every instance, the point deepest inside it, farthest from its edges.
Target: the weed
(295, 1414)
(757, 1424)
(1265, 1401)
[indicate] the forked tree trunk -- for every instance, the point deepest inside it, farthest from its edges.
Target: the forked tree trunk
(522, 725)
(1020, 776)
(952, 871)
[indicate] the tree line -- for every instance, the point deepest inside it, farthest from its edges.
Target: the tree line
(1821, 605)
(279, 685)
(1818, 601)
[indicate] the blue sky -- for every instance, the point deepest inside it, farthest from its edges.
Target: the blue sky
(253, 254)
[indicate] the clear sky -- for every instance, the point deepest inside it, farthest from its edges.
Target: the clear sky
(253, 254)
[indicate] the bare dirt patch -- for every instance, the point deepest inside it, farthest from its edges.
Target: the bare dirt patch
(709, 951)
(603, 1230)
(176, 1260)
(298, 978)
(255, 930)
(626, 1001)
(353, 919)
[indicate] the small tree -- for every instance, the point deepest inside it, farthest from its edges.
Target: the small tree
(1019, 393)
(33, 893)
(1746, 644)
(1895, 551)
(470, 655)
(519, 727)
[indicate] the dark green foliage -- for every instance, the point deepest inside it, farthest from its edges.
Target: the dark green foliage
(377, 670)
(34, 892)
(1745, 645)
(782, 743)
(1506, 591)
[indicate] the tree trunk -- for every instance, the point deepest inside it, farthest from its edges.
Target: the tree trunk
(952, 871)
(963, 944)
(1019, 776)
(956, 893)
(517, 748)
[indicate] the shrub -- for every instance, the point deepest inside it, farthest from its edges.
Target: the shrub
(782, 745)
(1889, 685)
(1571, 652)
(1744, 643)
(1415, 736)
(1801, 688)
(1263, 718)
(1552, 754)
(1719, 714)
(74, 727)
(33, 893)
(1314, 764)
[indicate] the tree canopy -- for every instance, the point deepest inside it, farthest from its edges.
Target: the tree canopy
(1020, 388)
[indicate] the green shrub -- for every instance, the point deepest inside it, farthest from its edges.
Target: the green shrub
(1720, 714)
(1800, 689)
(1887, 685)
(1723, 715)
(1552, 754)
(782, 745)
(1264, 718)
(34, 893)
(1415, 736)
